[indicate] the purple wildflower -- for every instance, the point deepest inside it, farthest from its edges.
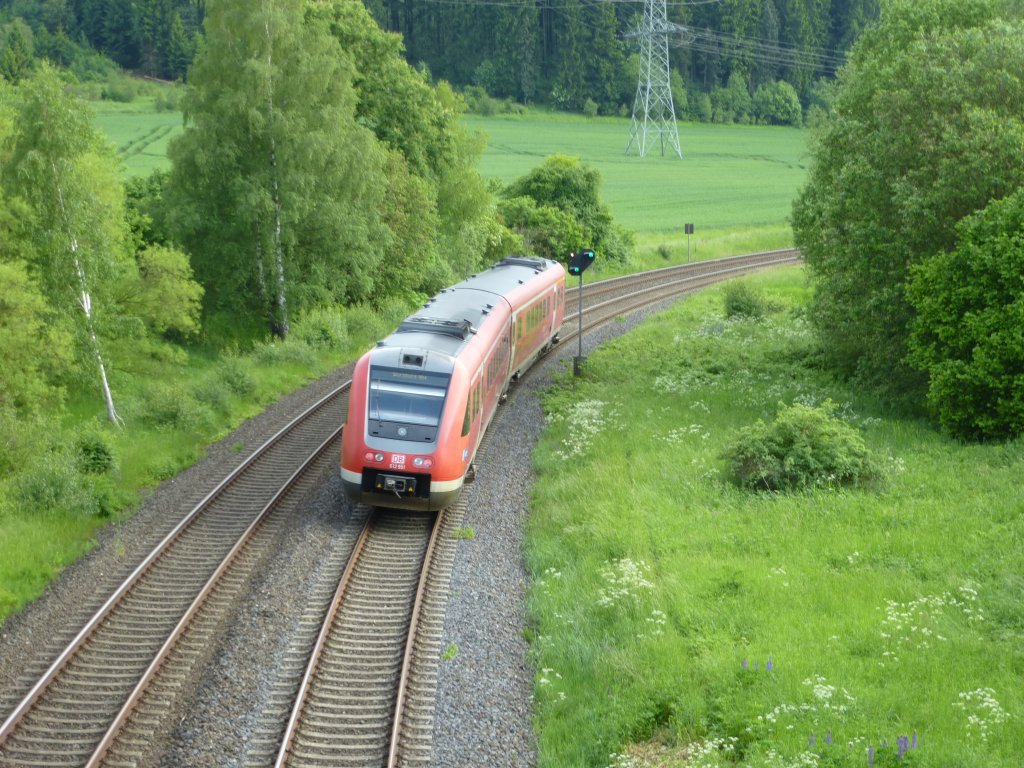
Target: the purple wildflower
(744, 664)
(828, 738)
(913, 742)
(871, 755)
(811, 740)
(769, 665)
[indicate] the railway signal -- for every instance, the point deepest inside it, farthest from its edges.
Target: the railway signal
(578, 262)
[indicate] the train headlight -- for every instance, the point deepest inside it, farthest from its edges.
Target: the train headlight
(371, 456)
(422, 463)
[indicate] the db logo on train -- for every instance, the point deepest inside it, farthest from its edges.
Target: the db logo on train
(397, 461)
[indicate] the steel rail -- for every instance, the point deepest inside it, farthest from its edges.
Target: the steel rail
(603, 286)
(291, 729)
(151, 671)
(55, 668)
(665, 290)
(410, 644)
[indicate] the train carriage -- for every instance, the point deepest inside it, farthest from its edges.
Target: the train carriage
(421, 400)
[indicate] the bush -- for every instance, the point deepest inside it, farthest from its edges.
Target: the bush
(805, 447)
(322, 327)
(95, 456)
(590, 108)
(120, 89)
(213, 394)
(743, 300)
(166, 100)
(231, 371)
(290, 352)
(172, 405)
(479, 102)
(53, 483)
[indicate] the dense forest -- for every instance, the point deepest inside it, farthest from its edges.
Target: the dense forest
(567, 53)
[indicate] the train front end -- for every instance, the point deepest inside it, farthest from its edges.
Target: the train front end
(397, 442)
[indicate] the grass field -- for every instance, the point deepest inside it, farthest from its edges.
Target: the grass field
(680, 621)
(138, 132)
(734, 183)
(731, 177)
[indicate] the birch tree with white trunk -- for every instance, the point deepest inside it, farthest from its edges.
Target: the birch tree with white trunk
(75, 228)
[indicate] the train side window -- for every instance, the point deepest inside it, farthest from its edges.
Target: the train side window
(467, 420)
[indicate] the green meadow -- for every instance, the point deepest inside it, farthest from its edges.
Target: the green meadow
(735, 184)
(138, 132)
(731, 177)
(677, 620)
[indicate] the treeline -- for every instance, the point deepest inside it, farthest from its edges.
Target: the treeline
(157, 38)
(736, 61)
(912, 220)
(572, 54)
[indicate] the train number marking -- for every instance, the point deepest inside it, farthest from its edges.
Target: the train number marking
(397, 461)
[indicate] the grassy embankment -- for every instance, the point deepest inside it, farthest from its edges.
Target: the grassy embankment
(662, 593)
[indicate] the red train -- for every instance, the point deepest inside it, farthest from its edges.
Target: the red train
(422, 399)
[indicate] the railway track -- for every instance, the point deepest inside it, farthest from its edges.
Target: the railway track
(82, 704)
(101, 700)
(608, 299)
(351, 705)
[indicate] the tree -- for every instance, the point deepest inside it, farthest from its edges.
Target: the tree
(777, 104)
(904, 156)
(16, 52)
(570, 89)
(546, 231)
(516, 46)
(604, 57)
(75, 226)
(33, 351)
(732, 103)
(438, 211)
(572, 187)
(275, 187)
(969, 330)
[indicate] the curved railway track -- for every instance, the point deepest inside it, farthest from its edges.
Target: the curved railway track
(102, 698)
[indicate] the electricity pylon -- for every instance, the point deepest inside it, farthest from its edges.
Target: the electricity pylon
(654, 115)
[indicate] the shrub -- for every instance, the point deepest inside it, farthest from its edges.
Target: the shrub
(479, 102)
(95, 456)
(743, 300)
(172, 405)
(166, 100)
(290, 352)
(213, 394)
(805, 447)
(665, 252)
(590, 108)
(232, 372)
(322, 327)
(54, 483)
(120, 89)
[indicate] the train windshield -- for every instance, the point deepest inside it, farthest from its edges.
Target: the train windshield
(406, 397)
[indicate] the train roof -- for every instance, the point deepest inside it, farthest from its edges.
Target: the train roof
(450, 319)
